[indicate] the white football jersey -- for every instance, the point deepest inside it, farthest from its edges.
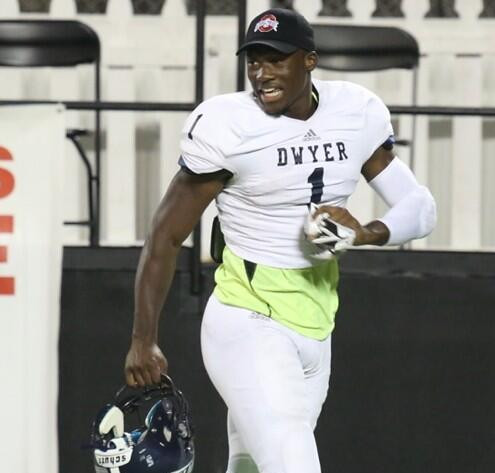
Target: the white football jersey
(280, 164)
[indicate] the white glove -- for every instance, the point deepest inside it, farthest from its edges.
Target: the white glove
(329, 237)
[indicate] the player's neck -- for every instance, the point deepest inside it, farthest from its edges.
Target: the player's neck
(304, 106)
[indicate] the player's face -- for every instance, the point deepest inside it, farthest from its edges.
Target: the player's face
(281, 82)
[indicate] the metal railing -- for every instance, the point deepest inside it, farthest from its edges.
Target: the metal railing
(195, 256)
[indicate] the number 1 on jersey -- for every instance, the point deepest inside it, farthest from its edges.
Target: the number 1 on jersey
(316, 181)
(189, 133)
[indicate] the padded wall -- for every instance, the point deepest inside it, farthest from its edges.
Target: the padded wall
(413, 370)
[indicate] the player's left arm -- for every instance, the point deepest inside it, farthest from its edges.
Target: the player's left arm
(412, 212)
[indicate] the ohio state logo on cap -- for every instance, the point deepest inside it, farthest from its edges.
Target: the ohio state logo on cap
(267, 23)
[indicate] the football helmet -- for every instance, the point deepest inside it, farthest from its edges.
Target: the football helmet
(164, 444)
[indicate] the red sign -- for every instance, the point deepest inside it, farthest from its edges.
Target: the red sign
(7, 184)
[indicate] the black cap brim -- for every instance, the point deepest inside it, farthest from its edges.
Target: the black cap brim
(285, 48)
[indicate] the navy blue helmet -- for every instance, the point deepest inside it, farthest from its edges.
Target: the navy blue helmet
(164, 444)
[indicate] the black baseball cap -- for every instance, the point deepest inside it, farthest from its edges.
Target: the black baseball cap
(281, 29)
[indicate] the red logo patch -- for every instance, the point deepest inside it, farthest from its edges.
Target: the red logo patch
(267, 23)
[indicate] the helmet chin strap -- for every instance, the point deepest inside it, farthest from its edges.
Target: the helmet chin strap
(113, 421)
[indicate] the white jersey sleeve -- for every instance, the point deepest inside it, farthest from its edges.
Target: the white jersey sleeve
(378, 127)
(205, 140)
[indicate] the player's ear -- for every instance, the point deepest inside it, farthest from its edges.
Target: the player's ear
(310, 61)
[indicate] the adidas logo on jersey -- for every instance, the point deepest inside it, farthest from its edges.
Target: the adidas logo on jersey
(311, 136)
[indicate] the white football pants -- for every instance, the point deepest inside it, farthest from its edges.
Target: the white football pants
(273, 381)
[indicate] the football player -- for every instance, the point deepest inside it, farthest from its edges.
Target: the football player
(281, 162)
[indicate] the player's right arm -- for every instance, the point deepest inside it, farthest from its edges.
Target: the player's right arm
(179, 211)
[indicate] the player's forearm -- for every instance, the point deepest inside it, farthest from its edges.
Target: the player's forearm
(412, 217)
(373, 233)
(153, 280)
(412, 212)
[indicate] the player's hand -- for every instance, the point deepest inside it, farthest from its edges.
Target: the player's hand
(331, 230)
(343, 217)
(144, 364)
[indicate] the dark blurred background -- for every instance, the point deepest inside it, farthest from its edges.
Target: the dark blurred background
(413, 368)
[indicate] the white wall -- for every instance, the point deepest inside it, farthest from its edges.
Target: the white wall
(151, 58)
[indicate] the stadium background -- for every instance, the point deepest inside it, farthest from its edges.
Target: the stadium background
(413, 370)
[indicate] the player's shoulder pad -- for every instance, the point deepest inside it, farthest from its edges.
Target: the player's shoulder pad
(350, 95)
(217, 114)
(371, 102)
(223, 106)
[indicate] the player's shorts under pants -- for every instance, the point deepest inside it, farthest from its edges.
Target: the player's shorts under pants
(273, 381)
